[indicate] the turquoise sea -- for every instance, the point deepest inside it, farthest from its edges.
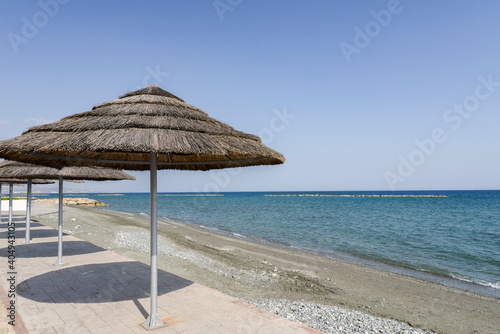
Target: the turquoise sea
(454, 240)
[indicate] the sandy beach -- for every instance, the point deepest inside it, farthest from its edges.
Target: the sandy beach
(257, 272)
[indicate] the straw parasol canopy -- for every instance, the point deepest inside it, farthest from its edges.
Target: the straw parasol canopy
(20, 170)
(122, 133)
(148, 129)
(24, 181)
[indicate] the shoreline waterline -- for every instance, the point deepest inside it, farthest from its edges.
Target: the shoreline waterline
(419, 233)
(449, 281)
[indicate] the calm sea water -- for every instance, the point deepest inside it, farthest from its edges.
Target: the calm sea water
(454, 240)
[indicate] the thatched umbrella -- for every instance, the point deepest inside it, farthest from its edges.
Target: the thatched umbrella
(148, 129)
(27, 171)
(11, 182)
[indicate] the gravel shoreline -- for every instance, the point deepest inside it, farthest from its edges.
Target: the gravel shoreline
(331, 319)
(326, 318)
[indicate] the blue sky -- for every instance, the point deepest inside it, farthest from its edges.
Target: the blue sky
(358, 95)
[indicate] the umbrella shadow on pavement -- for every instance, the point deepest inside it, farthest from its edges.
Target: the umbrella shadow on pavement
(49, 249)
(98, 283)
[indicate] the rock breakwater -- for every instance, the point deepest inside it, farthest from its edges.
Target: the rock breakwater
(72, 201)
(348, 195)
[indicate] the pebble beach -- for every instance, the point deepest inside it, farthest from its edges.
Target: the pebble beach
(325, 294)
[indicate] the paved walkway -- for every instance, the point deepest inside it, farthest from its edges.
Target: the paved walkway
(99, 291)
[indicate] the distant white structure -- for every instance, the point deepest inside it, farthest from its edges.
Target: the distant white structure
(17, 205)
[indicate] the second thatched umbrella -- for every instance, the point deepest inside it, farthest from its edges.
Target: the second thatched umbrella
(148, 129)
(27, 171)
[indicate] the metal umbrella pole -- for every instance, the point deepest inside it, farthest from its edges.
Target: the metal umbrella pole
(60, 261)
(11, 190)
(0, 202)
(153, 321)
(28, 212)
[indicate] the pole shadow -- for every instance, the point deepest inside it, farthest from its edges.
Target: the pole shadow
(15, 218)
(49, 249)
(34, 234)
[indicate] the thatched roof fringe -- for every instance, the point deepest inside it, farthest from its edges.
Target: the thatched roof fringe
(24, 181)
(138, 140)
(14, 169)
(144, 165)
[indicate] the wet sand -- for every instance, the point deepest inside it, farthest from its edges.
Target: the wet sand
(246, 269)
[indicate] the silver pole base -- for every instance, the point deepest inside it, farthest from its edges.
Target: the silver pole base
(59, 262)
(153, 322)
(26, 241)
